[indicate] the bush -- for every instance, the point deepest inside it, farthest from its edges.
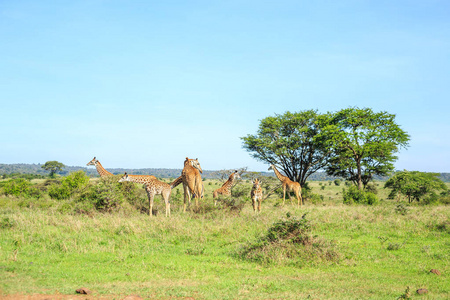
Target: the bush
(337, 182)
(58, 191)
(17, 187)
(316, 198)
(290, 242)
(371, 188)
(354, 195)
(104, 196)
(71, 184)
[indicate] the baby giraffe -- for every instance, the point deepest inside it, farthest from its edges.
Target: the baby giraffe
(154, 187)
(256, 195)
(225, 190)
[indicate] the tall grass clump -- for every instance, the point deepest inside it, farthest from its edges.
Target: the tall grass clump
(290, 241)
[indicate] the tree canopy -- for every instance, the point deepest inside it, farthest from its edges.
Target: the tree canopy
(292, 141)
(414, 185)
(53, 166)
(364, 144)
(353, 143)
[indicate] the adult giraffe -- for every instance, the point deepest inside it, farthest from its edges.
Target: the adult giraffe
(192, 181)
(101, 171)
(289, 186)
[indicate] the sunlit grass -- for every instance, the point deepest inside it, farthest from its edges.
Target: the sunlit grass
(381, 251)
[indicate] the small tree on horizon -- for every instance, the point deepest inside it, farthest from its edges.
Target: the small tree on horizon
(414, 184)
(53, 167)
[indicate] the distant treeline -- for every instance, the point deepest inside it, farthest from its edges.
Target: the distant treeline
(36, 169)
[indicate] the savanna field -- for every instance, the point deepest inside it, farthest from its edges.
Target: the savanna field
(323, 250)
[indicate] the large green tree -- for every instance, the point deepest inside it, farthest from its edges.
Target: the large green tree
(53, 167)
(414, 185)
(292, 141)
(364, 144)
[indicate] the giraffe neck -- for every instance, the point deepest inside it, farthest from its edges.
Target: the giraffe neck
(229, 182)
(278, 174)
(101, 171)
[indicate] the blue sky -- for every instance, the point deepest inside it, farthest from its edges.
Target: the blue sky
(143, 84)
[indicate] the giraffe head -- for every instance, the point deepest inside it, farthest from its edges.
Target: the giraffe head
(270, 168)
(256, 182)
(194, 163)
(236, 175)
(124, 178)
(93, 162)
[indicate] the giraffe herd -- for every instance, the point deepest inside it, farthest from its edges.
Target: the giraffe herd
(193, 185)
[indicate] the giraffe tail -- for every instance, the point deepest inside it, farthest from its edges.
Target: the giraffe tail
(176, 182)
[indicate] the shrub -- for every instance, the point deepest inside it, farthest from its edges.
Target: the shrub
(76, 180)
(58, 191)
(71, 184)
(316, 198)
(104, 196)
(353, 195)
(290, 242)
(337, 182)
(17, 187)
(371, 188)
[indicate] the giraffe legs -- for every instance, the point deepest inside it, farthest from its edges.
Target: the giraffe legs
(284, 193)
(299, 198)
(166, 197)
(150, 204)
(254, 204)
(290, 197)
(187, 195)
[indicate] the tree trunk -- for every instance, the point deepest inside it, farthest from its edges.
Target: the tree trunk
(360, 183)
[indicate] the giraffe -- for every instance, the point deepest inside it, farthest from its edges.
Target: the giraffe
(256, 195)
(289, 186)
(154, 187)
(225, 189)
(192, 181)
(101, 171)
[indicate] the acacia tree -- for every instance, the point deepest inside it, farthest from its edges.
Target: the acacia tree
(53, 166)
(364, 144)
(414, 185)
(293, 142)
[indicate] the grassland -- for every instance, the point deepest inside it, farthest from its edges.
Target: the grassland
(381, 251)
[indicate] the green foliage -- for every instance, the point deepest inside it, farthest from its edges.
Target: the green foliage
(17, 187)
(416, 185)
(53, 167)
(337, 182)
(292, 141)
(104, 196)
(290, 242)
(353, 195)
(316, 198)
(71, 184)
(364, 144)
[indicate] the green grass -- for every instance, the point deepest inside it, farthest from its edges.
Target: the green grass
(381, 252)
